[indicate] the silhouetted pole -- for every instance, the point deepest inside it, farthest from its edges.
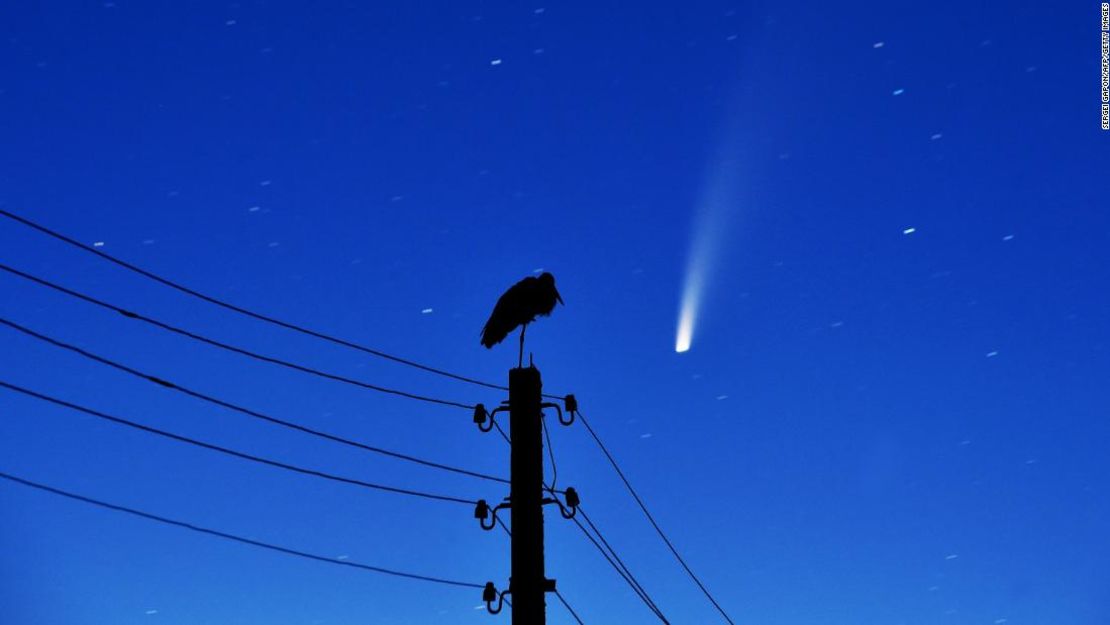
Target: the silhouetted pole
(527, 582)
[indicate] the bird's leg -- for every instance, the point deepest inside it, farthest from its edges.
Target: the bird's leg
(520, 358)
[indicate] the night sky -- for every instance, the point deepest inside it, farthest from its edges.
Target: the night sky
(887, 224)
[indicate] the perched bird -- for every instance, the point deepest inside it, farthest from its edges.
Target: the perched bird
(519, 306)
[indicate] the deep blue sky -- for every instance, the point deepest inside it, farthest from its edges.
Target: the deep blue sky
(872, 426)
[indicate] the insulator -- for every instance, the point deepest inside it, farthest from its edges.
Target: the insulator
(489, 593)
(571, 404)
(479, 414)
(481, 511)
(572, 497)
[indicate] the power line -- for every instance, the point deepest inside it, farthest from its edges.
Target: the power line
(562, 599)
(503, 526)
(239, 309)
(319, 335)
(500, 431)
(231, 348)
(615, 560)
(631, 578)
(622, 567)
(651, 519)
(247, 411)
(632, 584)
(619, 568)
(232, 452)
(239, 539)
(566, 605)
(550, 452)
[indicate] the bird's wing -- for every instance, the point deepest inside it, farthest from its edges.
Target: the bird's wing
(504, 317)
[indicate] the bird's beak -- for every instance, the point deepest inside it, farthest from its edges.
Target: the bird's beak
(559, 297)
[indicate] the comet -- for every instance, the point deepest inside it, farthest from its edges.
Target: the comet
(688, 309)
(710, 223)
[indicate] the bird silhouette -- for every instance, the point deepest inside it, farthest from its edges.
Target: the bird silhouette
(519, 306)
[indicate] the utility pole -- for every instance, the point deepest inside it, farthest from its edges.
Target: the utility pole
(527, 584)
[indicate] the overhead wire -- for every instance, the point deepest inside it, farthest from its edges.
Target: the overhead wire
(240, 409)
(503, 526)
(550, 452)
(227, 347)
(323, 336)
(562, 599)
(620, 568)
(232, 452)
(616, 561)
(233, 537)
(651, 519)
(566, 605)
(500, 431)
(239, 309)
(619, 562)
(635, 588)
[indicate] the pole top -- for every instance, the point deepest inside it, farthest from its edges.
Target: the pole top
(529, 371)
